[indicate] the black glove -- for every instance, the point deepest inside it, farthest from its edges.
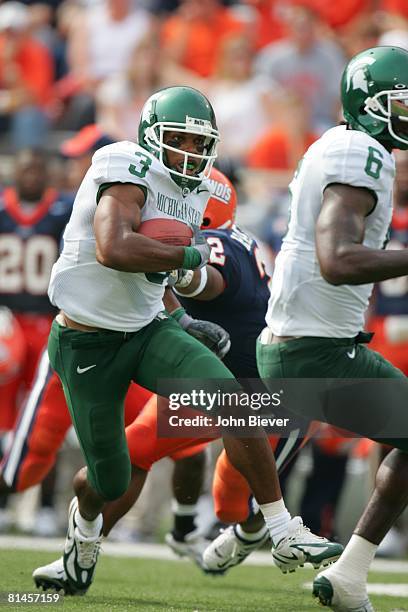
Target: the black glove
(210, 334)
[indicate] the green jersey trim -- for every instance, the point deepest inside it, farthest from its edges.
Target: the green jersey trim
(106, 186)
(373, 193)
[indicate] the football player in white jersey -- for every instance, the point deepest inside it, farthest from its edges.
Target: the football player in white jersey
(109, 284)
(331, 256)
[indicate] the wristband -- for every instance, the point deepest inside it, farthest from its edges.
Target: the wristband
(178, 313)
(182, 318)
(192, 258)
(200, 288)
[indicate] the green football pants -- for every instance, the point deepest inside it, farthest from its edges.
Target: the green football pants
(96, 369)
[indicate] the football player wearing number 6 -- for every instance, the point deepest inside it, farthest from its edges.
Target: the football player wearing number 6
(324, 274)
(109, 284)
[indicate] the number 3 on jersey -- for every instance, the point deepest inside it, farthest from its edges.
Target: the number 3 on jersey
(141, 166)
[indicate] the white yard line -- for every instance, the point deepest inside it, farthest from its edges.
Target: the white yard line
(160, 551)
(378, 588)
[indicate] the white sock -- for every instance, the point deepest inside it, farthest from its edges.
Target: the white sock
(89, 529)
(253, 536)
(356, 559)
(276, 519)
(183, 509)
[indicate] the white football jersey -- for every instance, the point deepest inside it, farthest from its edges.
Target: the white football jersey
(302, 303)
(93, 294)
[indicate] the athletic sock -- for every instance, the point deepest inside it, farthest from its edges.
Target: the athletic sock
(276, 519)
(251, 536)
(184, 519)
(355, 560)
(89, 529)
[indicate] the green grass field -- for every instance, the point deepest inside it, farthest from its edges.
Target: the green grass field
(124, 584)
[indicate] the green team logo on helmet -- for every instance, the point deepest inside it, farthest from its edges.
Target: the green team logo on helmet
(374, 92)
(180, 109)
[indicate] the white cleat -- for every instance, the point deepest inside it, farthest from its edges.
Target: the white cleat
(192, 546)
(229, 549)
(301, 546)
(51, 576)
(340, 594)
(80, 554)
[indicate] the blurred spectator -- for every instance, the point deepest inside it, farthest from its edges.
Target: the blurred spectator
(243, 102)
(103, 37)
(41, 24)
(270, 163)
(283, 145)
(399, 7)
(26, 75)
(79, 150)
(100, 43)
(361, 34)
(339, 14)
(267, 24)
(120, 98)
(193, 35)
(308, 62)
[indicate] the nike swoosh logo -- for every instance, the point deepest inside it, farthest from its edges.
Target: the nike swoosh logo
(282, 557)
(202, 191)
(352, 353)
(222, 565)
(312, 548)
(82, 370)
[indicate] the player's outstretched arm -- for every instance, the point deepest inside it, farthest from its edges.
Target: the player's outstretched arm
(119, 246)
(340, 228)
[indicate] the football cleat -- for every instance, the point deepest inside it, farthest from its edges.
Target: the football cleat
(301, 546)
(80, 554)
(53, 576)
(192, 546)
(340, 594)
(229, 549)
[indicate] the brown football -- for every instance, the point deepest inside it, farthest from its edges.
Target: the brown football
(169, 231)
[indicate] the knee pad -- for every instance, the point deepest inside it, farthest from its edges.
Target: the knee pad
(110, 476)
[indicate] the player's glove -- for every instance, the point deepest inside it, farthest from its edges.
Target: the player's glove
(210, 334)
(180, 278)
(198, 254)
